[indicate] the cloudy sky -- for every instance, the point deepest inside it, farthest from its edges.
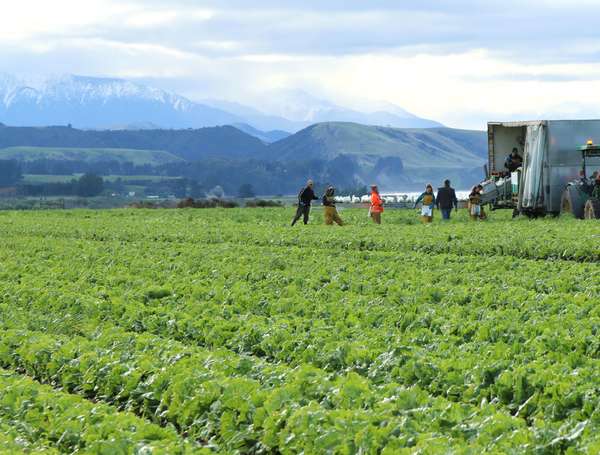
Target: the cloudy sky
(460, 62)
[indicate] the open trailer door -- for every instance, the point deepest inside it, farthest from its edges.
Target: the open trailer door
(531, 195)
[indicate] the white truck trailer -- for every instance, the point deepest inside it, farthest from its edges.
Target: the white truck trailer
(550, 180)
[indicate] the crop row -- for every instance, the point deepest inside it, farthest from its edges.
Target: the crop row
(496, 362)
(15, 440)
(540, 239)
(452, 342)
(34, 417)
(526, 378)
(186, 268)
(253, 337)
(309, 412)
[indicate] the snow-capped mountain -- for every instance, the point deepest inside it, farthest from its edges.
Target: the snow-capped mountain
(90, 102)
(255, 118)
(292, 110)
(300, 106)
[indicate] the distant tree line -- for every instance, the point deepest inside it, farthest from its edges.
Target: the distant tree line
(10, 172)
(88, 185)
(265, 177)
(247, 178)
(67, 167)
(178, 187)
(238, 177)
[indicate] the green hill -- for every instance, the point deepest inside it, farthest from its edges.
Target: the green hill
(88, 155)
(417, 148)
(189, 144)
(347, 154)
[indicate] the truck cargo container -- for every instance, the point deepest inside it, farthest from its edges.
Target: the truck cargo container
(552, 160)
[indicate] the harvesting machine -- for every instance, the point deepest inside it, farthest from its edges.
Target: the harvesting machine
(553, 177)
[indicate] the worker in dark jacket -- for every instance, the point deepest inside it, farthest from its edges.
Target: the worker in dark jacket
(513, 161)
(446, 199)
(596, 181)
(305, 198)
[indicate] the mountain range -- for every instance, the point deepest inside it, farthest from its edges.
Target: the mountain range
(293, 136)
(109, 103)
(334, 151)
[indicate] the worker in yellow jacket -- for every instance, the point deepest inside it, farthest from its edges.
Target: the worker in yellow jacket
(428, 203)
(330, 211)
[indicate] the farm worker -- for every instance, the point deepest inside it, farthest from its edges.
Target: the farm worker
(596, 190)
(428, 202)
(482, 214)
(305, 198)
(513, 161)
(330, 211)
(475, 203)
(376, 205)
(446, 199)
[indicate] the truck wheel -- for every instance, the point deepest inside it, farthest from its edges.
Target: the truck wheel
(572, 202)
(592, 209)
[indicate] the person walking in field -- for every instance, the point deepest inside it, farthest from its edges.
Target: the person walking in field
(305, 198)
(596, 180)
(475, 203)
(427, 200)
(376, 208)
(446, 199)
(482, 214)
(330, 211)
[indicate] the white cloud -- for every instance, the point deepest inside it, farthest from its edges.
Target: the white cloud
(26, 18)
(458, 62)
(141, 18)
(223, 46)
(145, 19)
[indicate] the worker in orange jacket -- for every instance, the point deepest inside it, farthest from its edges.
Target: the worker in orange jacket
(376, 208)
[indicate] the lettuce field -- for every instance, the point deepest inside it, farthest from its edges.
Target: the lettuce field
(228, 331)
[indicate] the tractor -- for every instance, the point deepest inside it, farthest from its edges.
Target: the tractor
(581, 197)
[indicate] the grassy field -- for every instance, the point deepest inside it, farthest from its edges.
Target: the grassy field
(88, 155)
(198, 331)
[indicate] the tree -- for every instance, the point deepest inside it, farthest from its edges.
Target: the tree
(358, 189)
(89, 185)
(246, 191)
(216, 192)
(10, 172)
(195, 189)
(179, 187)
(341, 170)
